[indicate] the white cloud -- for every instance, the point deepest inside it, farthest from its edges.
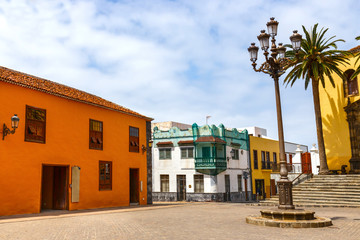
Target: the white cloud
(171, 60)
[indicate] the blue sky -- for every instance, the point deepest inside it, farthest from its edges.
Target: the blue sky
(171, 60)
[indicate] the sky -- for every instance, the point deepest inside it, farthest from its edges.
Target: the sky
(172, 60)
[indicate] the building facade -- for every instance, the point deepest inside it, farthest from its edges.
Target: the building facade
(206, 163)
(340, 110)
(265, 162)
(72, 150)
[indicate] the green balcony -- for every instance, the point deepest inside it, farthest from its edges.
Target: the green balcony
(210, 165)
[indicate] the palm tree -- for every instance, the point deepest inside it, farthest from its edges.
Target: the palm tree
(316, 61)
(357, 60)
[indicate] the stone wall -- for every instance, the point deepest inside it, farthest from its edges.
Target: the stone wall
(200, 197)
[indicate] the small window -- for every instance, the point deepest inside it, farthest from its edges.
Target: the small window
(256, 166)
(133, 139)
(275, 158)
(165, 153)
(199, 183)
(105, 175)
(164, 179)
(96, 135)
(263, 165)
(206, 152)
(267, 160)
(350, 85)
(239, 178)
(35, 125)
(235, 155)
(187, 153)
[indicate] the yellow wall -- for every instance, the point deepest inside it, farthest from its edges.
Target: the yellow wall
(267, 145)
(335, 127)
(67, 143)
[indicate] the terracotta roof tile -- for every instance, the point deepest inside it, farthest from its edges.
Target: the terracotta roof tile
(164, 143)
(355, 49)
(210, 139)
(53, 88)
(186, 142)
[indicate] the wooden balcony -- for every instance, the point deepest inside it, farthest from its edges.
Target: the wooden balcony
(210, 165)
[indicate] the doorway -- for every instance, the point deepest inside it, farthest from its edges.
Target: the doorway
(54, 191)
(272, 187)
(227, 188)
(134, 186)
(260, 189)
(181, 187)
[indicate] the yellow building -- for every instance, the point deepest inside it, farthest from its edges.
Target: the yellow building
(341, 120)
(264, 153)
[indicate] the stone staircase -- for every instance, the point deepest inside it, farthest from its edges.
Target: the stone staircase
(324, 191)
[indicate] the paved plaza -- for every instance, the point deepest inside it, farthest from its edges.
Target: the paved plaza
(172, 221)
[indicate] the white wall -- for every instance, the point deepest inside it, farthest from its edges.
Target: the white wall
(212, 184)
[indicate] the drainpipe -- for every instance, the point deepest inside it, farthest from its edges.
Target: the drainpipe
(250, 172)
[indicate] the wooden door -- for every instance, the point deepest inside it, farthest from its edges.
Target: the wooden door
(246, 189)
(227, 188)
(260, 189)
(134, 185)
(60, 188)
(306, 163)
(272, 187)
(181, 187)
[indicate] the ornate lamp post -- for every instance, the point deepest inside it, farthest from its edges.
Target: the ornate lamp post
(274, 66)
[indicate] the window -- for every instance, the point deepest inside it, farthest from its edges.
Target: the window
(199, 183)
(165, 153)
(263, 166)
(187, 152)
(235, 155)
(164, 183)
(35, 125)
(239, 177)
(255, 160)
(350, 85)
(267, 160)
(133, 139)
(275, 158)
(205, 152)
(96, 135)
(105, 175)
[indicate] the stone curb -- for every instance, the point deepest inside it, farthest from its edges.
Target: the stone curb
(316, 223)
(76, 213)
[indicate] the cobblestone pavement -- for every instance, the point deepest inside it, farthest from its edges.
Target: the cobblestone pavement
(173, 221)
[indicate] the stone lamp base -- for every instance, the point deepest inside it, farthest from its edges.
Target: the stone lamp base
(289, 219)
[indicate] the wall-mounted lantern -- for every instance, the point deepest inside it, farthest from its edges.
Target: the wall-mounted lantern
(14, 125)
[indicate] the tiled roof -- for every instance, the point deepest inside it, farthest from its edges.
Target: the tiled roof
(355, 49)
(164, 143)
(186, 142)
(53, 88)
(210, 139)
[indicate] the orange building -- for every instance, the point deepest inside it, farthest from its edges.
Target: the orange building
(71, 150)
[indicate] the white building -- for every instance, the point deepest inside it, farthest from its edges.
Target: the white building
(205, 163)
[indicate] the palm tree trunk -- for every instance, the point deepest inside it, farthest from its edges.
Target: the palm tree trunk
(324, 169)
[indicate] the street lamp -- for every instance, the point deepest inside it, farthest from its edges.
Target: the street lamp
(275, 67)
(14, 125)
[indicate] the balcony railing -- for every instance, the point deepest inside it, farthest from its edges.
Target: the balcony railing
(210, 165)
(275, 167)
(292, 168)
(210, 162)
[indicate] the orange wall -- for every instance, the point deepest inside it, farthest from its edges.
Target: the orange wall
(67, 143)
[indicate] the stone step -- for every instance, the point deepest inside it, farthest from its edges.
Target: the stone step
(334, 181)
(325, 195)
(327, 187)
(342, 204)
(308, 205)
